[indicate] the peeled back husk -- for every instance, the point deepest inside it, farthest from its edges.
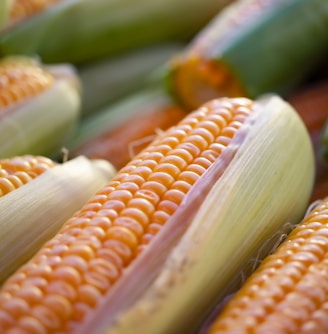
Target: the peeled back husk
(260, 186)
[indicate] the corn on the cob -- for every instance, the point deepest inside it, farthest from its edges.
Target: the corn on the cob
(253, 187)
(21, 79)
(32, 214)
(133, 122)
(17, 171)
(39, 106)
(105, 28)
(288, 292)
(106, 81)
(68, 278)
(250, 48)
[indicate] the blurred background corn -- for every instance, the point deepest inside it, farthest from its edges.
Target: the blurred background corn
(133, 122)
(104, 28)
(39, 106)
(113, 78)
(21, 79)
(17, 171)
(23, 9)
(252, 47)
(288, 293)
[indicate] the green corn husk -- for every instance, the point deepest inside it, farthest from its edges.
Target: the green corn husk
(252, 47)
(106, 81)
(261, 183)
(39, 125)
(78, 31)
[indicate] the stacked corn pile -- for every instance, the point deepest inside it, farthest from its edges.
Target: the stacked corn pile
(163, 166)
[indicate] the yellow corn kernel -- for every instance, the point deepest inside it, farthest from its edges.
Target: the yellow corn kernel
(39, 106)
(288, 292)
(17, 171)
(20, 80)
(68, 277)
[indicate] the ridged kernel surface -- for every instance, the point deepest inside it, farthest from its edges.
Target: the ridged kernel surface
(88, 255)
(17, 171)
(288, 293)
(20, 80)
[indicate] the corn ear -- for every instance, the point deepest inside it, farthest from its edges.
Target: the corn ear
(32, 214)
(261, 183)
(17, 171)
(94, 247)
(252, 47)
(105, 27)
(23, 9)
(106, 81)
(112, 116)
(39, 124)
(288, 291)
